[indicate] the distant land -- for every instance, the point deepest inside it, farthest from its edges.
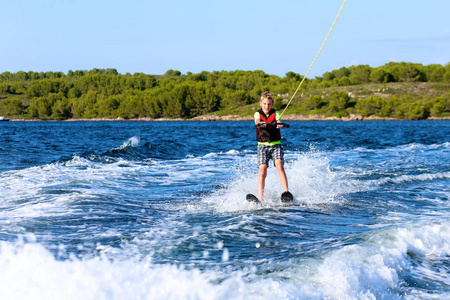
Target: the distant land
(397, 91)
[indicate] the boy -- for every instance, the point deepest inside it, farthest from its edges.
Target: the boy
(269, 145)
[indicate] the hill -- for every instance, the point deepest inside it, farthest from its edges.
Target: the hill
(404, 100)
(395, 90)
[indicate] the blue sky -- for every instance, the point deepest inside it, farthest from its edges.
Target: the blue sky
(202, 35)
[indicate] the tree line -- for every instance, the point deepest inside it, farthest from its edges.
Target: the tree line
(104, 93)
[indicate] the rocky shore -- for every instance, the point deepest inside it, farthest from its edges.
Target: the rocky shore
(212, 117)
(291, 117)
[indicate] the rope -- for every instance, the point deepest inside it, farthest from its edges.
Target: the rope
(317, 55)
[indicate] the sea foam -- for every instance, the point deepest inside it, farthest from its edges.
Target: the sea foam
(373, 269)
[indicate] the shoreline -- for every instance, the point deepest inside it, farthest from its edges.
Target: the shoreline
(210, 118)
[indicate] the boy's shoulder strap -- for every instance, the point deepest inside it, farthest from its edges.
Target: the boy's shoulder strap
(270, 118)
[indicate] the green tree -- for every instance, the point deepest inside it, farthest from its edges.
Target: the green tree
(414, 111)
(171, 73)
(106, 106)
(41, 108)
(341, 98)
(434, 73)
(369, 106)
(11, 107)
(406, 72)
(5, 88)
(293, 76)
(61, 109)
(236, 98)
(440, 107)
(379, 75)
(360, 74)
(6, 76)
(17, 88)
(84, 107)
(314, 102)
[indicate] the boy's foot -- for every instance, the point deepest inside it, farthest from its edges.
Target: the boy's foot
(252, 198)
(287, 197)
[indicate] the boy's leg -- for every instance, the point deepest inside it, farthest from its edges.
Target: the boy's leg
(263, 160)
(278, 157)
(280, 169)
(262, 181)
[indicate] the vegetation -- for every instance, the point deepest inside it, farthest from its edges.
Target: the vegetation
(395, 90)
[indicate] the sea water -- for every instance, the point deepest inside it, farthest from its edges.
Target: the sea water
(157, 210)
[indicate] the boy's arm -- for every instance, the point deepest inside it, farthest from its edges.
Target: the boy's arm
(279, 120)
(258, 120)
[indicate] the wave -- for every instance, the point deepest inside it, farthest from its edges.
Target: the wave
(29, 271)
(311, 180)
(49, 189)
(393, 150)
(314, 177)
(411, 178)
(133, 150)
(317, 179)
(130, 143)
(379, 267)
(421, 146)
(396, 262)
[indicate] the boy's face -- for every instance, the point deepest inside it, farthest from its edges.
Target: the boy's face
(266, 105)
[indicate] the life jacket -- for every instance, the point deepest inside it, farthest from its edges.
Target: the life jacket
(271, 133)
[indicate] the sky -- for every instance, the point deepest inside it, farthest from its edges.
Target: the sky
(276, 37)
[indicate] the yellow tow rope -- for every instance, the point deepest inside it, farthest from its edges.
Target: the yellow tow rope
(321, 47)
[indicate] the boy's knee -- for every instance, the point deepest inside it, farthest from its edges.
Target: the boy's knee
(279, 164)
(262, 170)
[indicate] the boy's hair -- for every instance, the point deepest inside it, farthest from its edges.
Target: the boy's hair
(267, 95)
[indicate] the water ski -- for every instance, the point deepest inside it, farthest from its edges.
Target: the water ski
(252, 198)
(287, 197)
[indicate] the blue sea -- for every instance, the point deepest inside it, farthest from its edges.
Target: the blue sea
(157, 210)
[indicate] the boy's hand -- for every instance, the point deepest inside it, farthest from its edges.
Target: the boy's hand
(276, 124)
(268, 125)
